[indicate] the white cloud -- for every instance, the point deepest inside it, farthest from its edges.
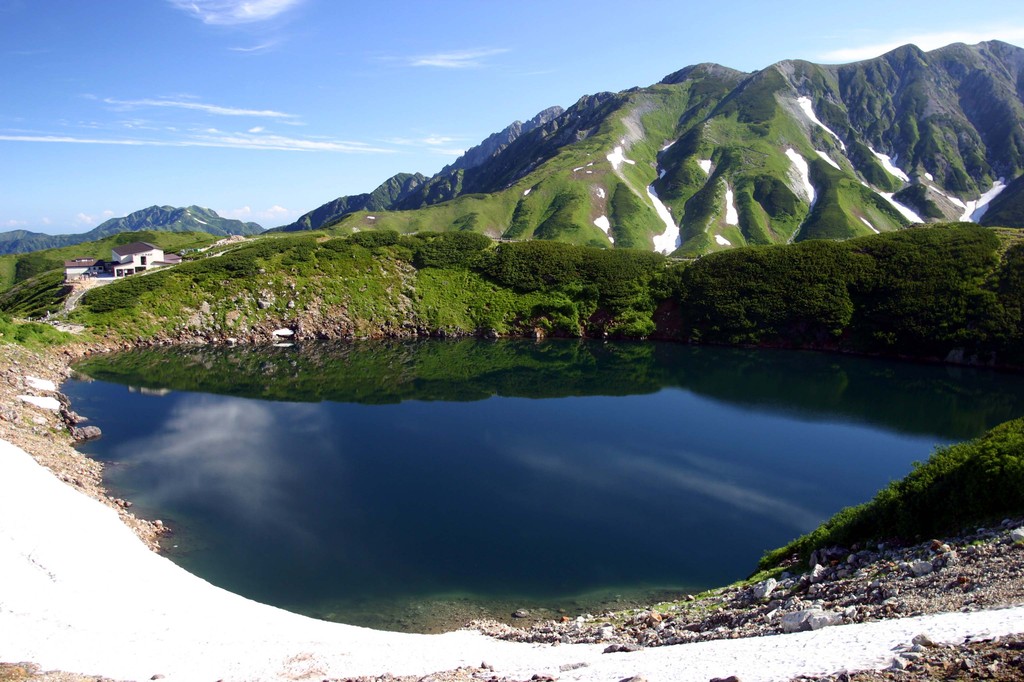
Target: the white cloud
(263, 47)
(925, 41)
(257, 129)
(83, 219)
(217, 140)
(230, 12)
(15, 224)
(197, 106)
(273, 216)
(458, 59)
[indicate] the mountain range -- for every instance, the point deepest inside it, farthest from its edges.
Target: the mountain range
(165, 218)
(710, 158)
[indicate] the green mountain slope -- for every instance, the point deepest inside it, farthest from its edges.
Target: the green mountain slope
(154, 218)
(793, 152)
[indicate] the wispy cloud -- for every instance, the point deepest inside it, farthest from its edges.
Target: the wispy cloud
(435, 144)
(274, 215)
(262, 47)
(216, 139)
(925, 41)
(458, 59)
(230, 12)
(197, 106)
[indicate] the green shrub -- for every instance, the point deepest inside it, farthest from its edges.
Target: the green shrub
(960, 486)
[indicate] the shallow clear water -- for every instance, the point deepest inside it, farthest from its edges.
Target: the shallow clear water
(407, 485)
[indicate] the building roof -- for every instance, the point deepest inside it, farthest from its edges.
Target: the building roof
(133, 248)
(81, 263)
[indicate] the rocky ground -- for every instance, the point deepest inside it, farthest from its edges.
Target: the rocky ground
(46, 434)
(977, 570)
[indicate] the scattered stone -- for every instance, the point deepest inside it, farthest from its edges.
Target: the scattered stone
(731, 678)
(621, 648)
(920, 568)
(84, 433)
(566, 667)
(923, 640)
(520, 613)
(1017, 534)
(763, 589)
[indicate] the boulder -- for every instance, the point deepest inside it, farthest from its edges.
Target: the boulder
(763, 589)
(809, 619)
(83, 433)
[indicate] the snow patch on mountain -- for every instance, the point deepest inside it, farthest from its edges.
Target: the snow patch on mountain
(904, 210)
(605, 225)
(732, 217)
(668, 241)
(600, 192)
(828, 159)
(889, 164)
(705, 165)
(870, 226)
(974, 210)
(526, 192)
(618, 157)
(722, 241)
(804, 173)
(805, 105)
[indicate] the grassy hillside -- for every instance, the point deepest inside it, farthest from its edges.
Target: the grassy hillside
(960, 486)
(15, 268)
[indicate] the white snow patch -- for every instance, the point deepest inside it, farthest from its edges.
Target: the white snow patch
(618, 157)
(904, 210)
(577, 169)
(41, 384)
(668, 145)
(371, 217)
(600, 192)
(828, 159)
(44, 403)
(283, 344)
(732, 217)
(602, 222)
(705, 165)
(592, 172)
(722, 241)
(80, 592)
(974, 210)
(931, 178)
(870, 226)
(661, 173)
(526, 192)
(805, 104)
(283, 332)
(590, 164)
(199, 221)
(800, 164)
(887, 163)
(667, 241)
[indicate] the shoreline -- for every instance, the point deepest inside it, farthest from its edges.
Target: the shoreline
(86, 595)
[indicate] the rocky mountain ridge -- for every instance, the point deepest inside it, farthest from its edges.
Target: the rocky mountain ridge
(161, 218)
(711, 157)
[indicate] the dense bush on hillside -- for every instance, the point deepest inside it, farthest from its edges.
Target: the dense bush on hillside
(919, 293)
(960, 486)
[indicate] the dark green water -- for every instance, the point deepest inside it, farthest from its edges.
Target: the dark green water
(407, 485)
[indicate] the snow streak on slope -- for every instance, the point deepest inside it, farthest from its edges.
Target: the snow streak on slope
(705, 165)
(974, 210)
(722, 241)
(605, 225)
(805, 104)
(667, 241)
(870, 226)
(731, 216)
(904, 211)
(828, 159)
(800, 164)
(887, 163)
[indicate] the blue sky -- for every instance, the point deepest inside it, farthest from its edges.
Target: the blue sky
(265, 109)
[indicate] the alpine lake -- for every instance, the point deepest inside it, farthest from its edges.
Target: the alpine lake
(418, 485)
